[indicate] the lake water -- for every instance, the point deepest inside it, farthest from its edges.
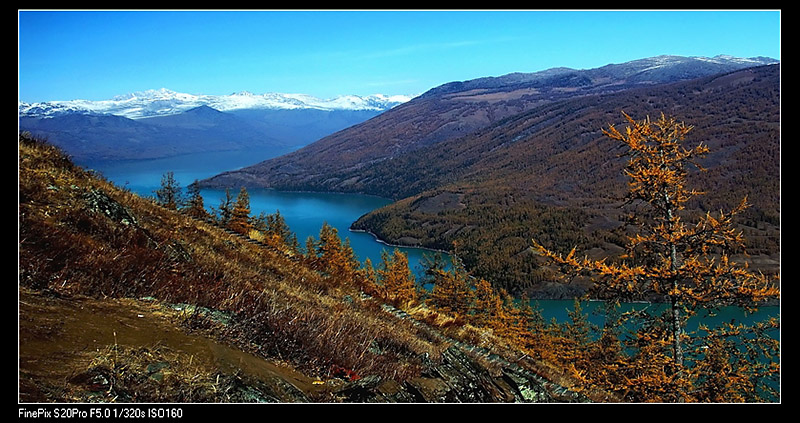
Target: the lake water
(305, 213)
(560, 309)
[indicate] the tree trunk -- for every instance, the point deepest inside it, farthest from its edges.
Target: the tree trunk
(677, 333)
(677, 326)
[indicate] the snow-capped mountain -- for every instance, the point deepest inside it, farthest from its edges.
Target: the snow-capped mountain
(646, 71)
(167, 102)
(670, 67)
(163, 123)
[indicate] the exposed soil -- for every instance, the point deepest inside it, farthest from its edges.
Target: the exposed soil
(61, 338)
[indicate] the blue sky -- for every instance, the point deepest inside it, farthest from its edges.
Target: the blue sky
(96, 55)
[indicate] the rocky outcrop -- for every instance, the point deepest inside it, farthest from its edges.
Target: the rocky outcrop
(99, 202)
(460, 378)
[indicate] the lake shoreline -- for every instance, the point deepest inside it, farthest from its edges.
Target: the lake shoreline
(388, 244)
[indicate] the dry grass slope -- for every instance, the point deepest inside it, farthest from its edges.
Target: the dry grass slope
(82, 236)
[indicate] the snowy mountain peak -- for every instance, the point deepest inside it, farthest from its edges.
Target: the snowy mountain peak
(160, 102)
(244, 94)
(159, 94)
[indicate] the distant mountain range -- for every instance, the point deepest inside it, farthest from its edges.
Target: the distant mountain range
(651, 70)
(494, 162)
(164, 102)
(163, 123)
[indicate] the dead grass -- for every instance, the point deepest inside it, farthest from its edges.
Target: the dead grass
(280, 308)
(122, 374)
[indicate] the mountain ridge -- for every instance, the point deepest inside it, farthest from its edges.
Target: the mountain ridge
(457, 109)
(91, 136)
(656, 69)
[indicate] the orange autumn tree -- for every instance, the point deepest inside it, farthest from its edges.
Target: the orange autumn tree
(195, 206)
(334, 256)
(397, 284)
(240, 215)
(688, 264)
(452, 292)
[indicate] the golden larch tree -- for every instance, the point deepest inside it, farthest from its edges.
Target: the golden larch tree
(195, 206)
(335, 257)
(398, 285)
(452, 291)
(686, 263)
(240, 220)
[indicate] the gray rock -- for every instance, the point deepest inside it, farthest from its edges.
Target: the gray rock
(460, 378)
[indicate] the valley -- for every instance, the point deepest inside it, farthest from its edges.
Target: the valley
(128, 297)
